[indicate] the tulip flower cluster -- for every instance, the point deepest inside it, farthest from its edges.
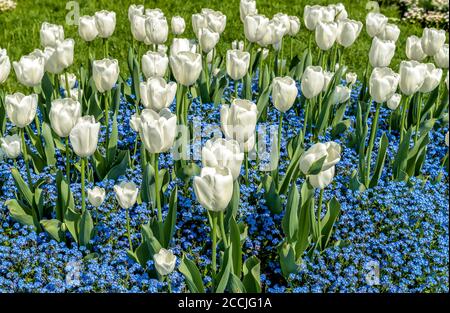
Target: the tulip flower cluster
(139, 129)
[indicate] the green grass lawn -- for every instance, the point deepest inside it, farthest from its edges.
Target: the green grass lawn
(19, 32)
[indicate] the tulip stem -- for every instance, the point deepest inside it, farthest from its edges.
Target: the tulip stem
(25, 156)
(214, 241)
(127, 214)
(222, 229)
(280, 128)
(105, 47)
(106, 119)
(319, 217)
(403, 117)
(67, 160)
(157, 191)
(419, 116)
(246, 168)
(83, 196)
(373, 133)
(236, 89)
(305, 118)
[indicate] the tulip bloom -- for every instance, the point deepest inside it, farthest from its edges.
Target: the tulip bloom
(207, 39)
(10, 145)
(182, 44)
(294, 26)
(165, 262)
(284, 93)
(186, 67)
(51, 34)
(60, 57)
(348, 32)
(216, 21)
(375, 23)
(351, 78)
(247, 7)
(331, 151)
(255, 27)
(84, 136)
(156, 94)
(21, 109)
(138, 27)
(105, 74)
(238, 120)
(178, 25)
(312, 15)
(440, 58)
(5, 66)
(87, 28)
(221, 152)
(134, 9)
(341, 94)
(157, 131)
(390, 32)
(326, 34)
(105, 22)
(313, 81)
(154, 64)
(323, 179)
(432, 79)
(394, 101)
(64, 114)
(157, 30)
(71, 81)
(96, 196)
(414, 49)
(30, 69)
(126, 194)
(383, 84)
(412, 76)
(381, 52)
(432, 40)
(237, 64)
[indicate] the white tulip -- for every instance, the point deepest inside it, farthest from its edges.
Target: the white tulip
(96, 196)
(87, 28)
(198, 21)
(60, 57)
(446, 139)
(214, 188)
(273, 35)
(312, 15)
(30, 69)
(71, 80)
(222, 152)
(105, 74)
(284, 93)
(331, 151)
(207, 39)
(341, 94)
(138, 27)
(432, 79)
(182, 44)
(283, 19)
(327, 77)
(134, 122)
(10, 146)
(21, 109)
(237, 45)
(178, 25)
(440, 58)
(154, 64)
(158, 13)
(326, 34)
(412, 76)
(313, 81)
(75, 94)
(105, 21)
(156, 94)
(50, 34)
(157, 30)
(351, 78)
(84, 136)
(394, 101)
(126, 194)
(414, 49)
(5, 66)
(64, 114)
(237, 63)
(328, 14)
(157, 131)
(186, 67)
(340, 12)
(216, 21)
(294, 26)
(432, 40)
(323, 179)
(381, 52)
(383, 84)
(348, 32)
(165, 262)
(255, 27)
(247, 7)
(135, 9)
(390, 32)
(375, 23)
(238, 121)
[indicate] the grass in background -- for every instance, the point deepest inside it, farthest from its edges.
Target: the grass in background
(19, 32)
